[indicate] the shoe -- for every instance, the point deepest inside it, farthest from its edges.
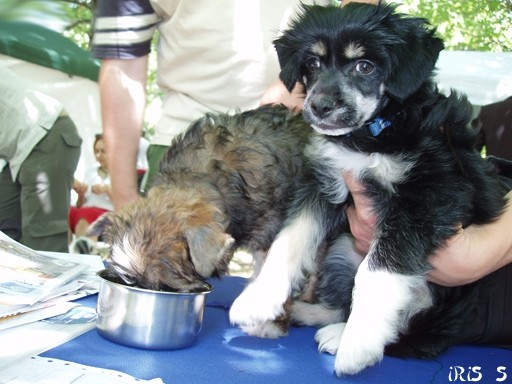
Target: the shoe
(83, 246)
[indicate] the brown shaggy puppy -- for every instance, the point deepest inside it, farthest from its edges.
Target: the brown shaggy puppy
(224, 184)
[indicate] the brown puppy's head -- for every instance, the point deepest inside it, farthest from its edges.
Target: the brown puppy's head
(170, 240)
(354, 60)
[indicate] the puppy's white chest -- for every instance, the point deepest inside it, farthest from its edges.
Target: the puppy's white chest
(385, 169)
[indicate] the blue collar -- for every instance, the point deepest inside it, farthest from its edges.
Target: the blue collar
(378, 125)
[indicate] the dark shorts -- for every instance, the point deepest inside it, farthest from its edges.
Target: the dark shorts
(493, 322)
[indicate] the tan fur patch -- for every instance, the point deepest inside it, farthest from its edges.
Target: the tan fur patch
(319, 48)
(155, 227)
(354, 50)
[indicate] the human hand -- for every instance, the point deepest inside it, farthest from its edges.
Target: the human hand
(79, 188)
(277, 93)
(99, 188)
(457, 262)
(360, 215)
(473, 252)
(469, 255)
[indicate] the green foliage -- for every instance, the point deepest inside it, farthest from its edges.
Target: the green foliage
(80, 14)
(479, 25)
(476, 25)
(71, 17)
(44, 12)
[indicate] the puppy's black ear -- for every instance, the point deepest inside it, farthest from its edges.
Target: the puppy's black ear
(414, 56)
(291, 45)
(289, 60)
(210, 250)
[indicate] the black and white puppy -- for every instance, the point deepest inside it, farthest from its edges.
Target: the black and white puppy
(367, 71)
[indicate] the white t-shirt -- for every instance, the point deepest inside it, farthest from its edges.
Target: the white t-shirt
(101, 200)
(213, 56)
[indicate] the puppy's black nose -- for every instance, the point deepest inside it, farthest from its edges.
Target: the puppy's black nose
(322, 107)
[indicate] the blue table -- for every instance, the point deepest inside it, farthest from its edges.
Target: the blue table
(224, 354)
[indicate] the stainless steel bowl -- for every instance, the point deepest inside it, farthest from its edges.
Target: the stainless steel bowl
(149, 319)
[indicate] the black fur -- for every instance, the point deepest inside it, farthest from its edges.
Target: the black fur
(443, 180)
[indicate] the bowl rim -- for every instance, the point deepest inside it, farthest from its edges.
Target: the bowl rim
(207, 287)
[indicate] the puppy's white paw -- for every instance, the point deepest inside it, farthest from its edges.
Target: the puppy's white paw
(358, 350)
(255, 306)
(266, 330)
(328, 337)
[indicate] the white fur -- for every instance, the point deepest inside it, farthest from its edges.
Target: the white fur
(328, 337)
(126, 256)
(267, 330)
(314, 314)
(332, 131)
(382, 305)
(387, 169)
(290, 256)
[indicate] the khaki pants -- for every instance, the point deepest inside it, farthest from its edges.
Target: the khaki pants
(34, 209)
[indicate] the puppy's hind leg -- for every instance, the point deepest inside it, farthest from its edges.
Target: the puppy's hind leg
(383, 302)
(333, 293)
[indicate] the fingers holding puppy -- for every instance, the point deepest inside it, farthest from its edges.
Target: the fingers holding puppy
(361, 218)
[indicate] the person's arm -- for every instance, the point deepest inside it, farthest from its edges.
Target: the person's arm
(123, 101)
(471, 254)
(474, 252)
(80, 189)
(360, 215)
(277, 93)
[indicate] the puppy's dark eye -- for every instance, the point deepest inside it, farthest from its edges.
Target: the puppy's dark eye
(364, 67)
(313, 64)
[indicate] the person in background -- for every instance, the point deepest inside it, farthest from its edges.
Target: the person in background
(211, 56)
(93, 199)
(495, 124)
(39, 153)
(142, 161)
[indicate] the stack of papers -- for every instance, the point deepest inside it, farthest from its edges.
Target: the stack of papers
(36, 285)
(31, 281)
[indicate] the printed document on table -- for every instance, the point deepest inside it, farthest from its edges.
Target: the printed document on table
(27, 276)
(37, 337)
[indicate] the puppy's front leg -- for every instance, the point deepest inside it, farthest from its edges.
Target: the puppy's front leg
(383, 302)
(292, 253)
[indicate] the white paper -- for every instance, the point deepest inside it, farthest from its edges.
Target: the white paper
(39, 314)
(37, 337)
(27, 276)
(44, 370)
(85, 284)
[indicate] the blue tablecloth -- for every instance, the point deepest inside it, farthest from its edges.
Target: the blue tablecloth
(224, 354)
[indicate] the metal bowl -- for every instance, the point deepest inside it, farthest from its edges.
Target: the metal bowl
(149, 319)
